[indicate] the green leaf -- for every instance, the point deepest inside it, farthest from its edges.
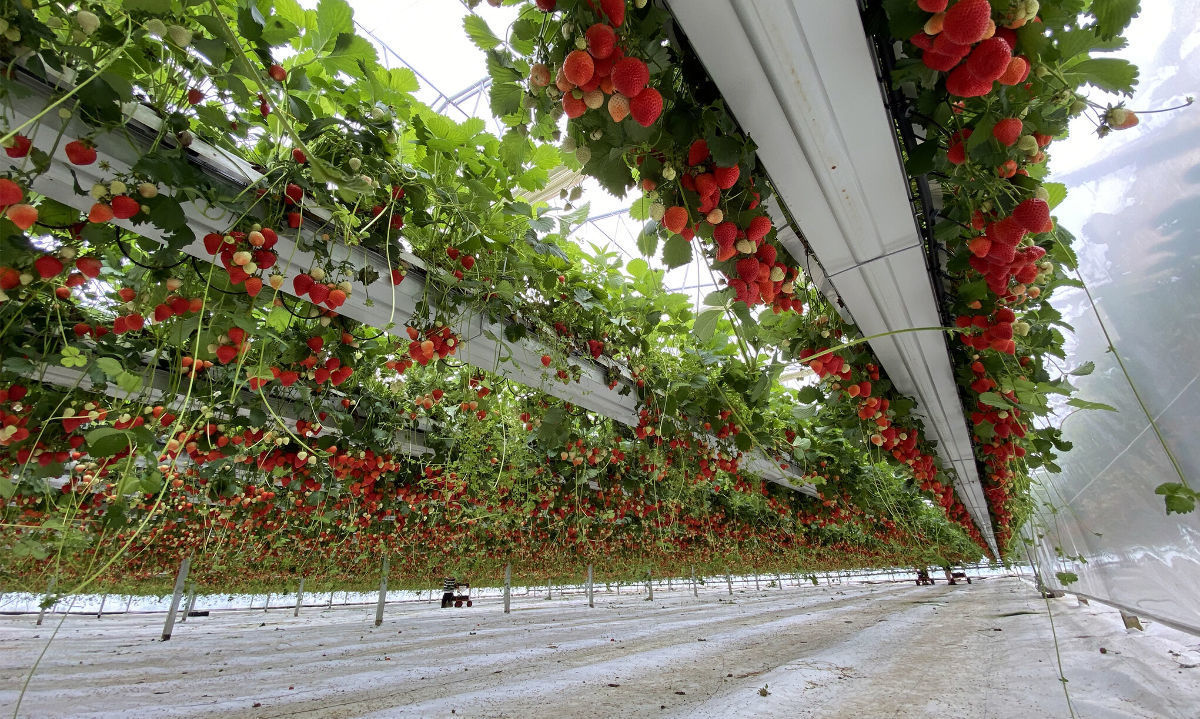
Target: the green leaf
(154, 7)
(1085, 404)
(1107, 73)
(995, 399)
(1179, 498)
(479, 32)
(647, 242)
(1066, 578)
(706, 324)
(107, 441)
(1084, 369)
(637, 268)
(110, 366)
(920, 160)
(677, 252)
(278, 318)
(1113, 16)
(1057, 192)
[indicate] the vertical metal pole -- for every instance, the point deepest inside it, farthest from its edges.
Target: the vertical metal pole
(668, 582)
(779, 580)
(695, 592)
(100, 611)
(191, 602)
(508, 588)
(49, 591)
(330, 606)
(729, 583)
(180, 580)
(650, 583)
(128, 603)
(299, 598)
(382, 592)
(549, 585)
(267, 603)
(591, 599)
(756, 585)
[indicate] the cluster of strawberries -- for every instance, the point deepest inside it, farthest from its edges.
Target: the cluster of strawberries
(588, 76)
(995, 254)
(244, 255)
(965, 42)
(438, 340)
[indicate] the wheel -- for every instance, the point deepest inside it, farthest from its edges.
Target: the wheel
(458, 602)
(469, 602)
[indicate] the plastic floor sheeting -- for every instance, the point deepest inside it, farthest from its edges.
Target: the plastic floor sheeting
(883, 650)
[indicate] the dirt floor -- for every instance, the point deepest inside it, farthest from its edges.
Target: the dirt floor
(884, 650)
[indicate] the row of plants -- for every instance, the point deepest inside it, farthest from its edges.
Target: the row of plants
(160, 399)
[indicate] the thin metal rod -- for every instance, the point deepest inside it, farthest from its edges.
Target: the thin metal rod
(382, 592)
(180, 580)
(590, 598)
(507, 588)
(299, 598)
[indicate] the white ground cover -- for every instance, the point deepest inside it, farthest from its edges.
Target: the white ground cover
(850, 650)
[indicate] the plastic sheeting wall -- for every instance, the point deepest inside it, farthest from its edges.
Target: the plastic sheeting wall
(1134, 204)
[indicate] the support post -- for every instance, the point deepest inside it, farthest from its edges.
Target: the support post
(49, 592)
(650, 584)
(299, 598)
(330, 605)
(382, 592)
(729, 583)
(757, 588)
(668, 582)
(695, 592)
(779, 580)
(191, 602)
(128, 603)
(591, 599)
(549, 586)
(100, 611)
(267, 603)
(508, 588)
(180, 580)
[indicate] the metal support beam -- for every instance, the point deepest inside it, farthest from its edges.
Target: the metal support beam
(49, 593)
(508, 588)
(180, 580)
(299, 598)
(382, 592)
(590, 598)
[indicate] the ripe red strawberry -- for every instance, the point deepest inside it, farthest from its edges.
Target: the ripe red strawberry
(237, 335)
(315, 343)
(9, 278)
(89, 266)
(546, 360)
(646, 107)
(629, 76)
(126, 294)
(726, 177)
(962, 83)
(967, 22)
(468, 261)
(1032, 214)
(162, 313)
(299, 156)
(226, 354)
(938, 61)
(124, 207)
(100, 213)
(213, 242)
(1016, 72)
(397, 277)
(573, 106)
(254, 285)
(758, 228)
(547, 5)
(10, 192)
(989, 60)
(933, 6)
(134, 322)
(766, 255)
(19, 147)
(1007, 130)
(179, 305)
(601, 40)
(698, 152)
(48, 266)
(578, 67)
(293, 193)
(675, 218)
(318, 293)
(80, 152)
(23, 216)
(748, 269)
(195, 97)
(725, 233)
(302, 283)
(615, 10)
(277, 73)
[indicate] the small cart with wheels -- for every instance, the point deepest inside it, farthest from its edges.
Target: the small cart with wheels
(460, 599)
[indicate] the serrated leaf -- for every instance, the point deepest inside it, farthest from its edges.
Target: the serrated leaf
(995, 399)
(479, 32)
(1057, 193)
(1085, 404)
(647, 242)
(1107, 73)
(677, 252)
(110, 366)
(1084, 369)
(706, 324)
(1113, 16)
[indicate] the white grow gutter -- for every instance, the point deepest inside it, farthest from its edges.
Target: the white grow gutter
(800, 77)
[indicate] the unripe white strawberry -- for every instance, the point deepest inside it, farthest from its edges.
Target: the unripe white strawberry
(317, 273)
(715, 216)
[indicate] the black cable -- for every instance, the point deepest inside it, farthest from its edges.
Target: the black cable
(125, 251)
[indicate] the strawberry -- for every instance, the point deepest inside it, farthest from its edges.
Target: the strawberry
(766, 255)
(646, 107)
(80, 153)
(302, 283)
(1032, 214)
(10, 192)
(967, 22)
(547, 5)
(299, 156)
(179, 305)
(601, 40)
(48, 266)
(937, 61)
(315, 343)
(675, 218)
(615, 10)
(226, 354)
(546, 360)
(397, 276)
(89, 265)
(20, 146)
(293, 193)
(573, 107)
(698, 152)
(989, 60)
(1007, 130)
(726, 177)
(124, 207)
(318, 293)
(126, 294)
(100, 213)
(962, 83)
(618, 107)
(629, 76)
(134, 322)
(758, 228)
(468, 261)
(578, 67)
(1016, 72)
(725, 233)
(934, 6)
(237, 335)
(162, 313)
(277, 73)
(23, 216)
(195, 97)
(213, 242)
(748, 269)
(254, 285)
